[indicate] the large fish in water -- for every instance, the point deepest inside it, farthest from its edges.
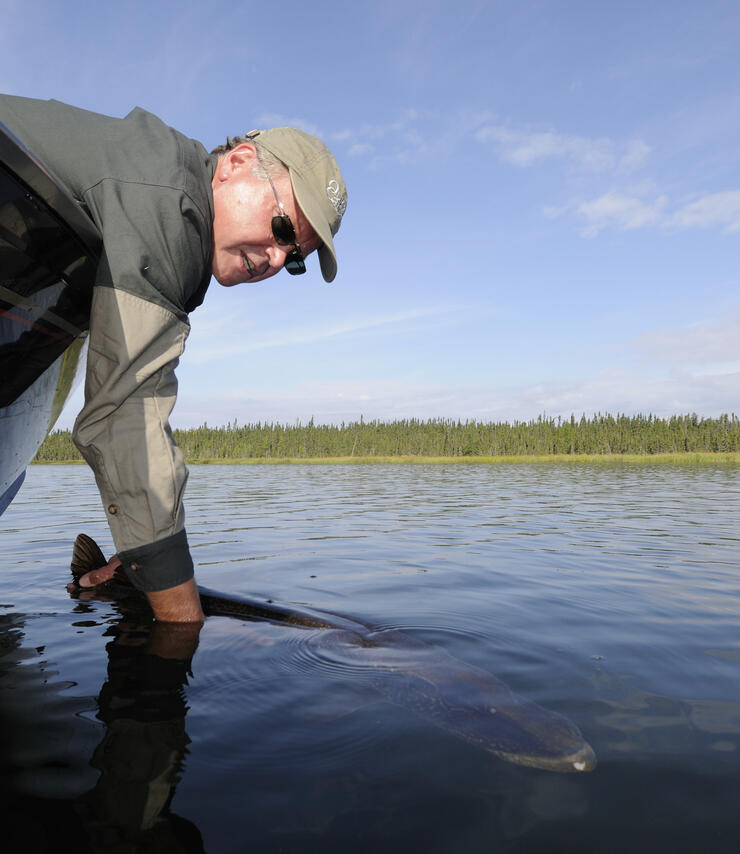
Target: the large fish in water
(457, 697)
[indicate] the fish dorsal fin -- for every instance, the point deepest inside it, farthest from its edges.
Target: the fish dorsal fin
(86, 555)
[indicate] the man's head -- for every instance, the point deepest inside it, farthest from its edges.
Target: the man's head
(284, 174)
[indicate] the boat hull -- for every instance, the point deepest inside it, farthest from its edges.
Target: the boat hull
(49, 250)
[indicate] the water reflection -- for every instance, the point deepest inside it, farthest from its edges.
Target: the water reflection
(142, 755)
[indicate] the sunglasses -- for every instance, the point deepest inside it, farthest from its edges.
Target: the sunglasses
(284, 234)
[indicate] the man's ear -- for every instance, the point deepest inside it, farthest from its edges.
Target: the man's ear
(242, 155)
(231, 162)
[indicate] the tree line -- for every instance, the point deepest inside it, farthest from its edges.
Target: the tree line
(440, 437)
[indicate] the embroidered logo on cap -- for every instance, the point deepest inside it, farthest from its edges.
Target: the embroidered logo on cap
(336, 197)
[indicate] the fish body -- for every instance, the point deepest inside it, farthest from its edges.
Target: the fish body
(458, 697)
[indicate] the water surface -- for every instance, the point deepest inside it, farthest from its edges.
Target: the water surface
(607, 593)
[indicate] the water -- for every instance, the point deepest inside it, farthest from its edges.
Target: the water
(606, 593)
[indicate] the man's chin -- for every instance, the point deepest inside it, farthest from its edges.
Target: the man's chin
(230, 282)
(224, 280)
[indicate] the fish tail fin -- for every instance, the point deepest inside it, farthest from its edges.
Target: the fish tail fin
(86, 555)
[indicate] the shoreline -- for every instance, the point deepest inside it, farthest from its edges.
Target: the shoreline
(698, 457)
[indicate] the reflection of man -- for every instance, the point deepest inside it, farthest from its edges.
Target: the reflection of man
(170, 215)
(141, 757)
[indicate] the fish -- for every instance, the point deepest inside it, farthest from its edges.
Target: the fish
(458, 697)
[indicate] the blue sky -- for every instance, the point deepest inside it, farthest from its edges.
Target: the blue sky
(544, 197)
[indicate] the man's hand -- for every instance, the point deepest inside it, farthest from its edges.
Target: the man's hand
(98, 576)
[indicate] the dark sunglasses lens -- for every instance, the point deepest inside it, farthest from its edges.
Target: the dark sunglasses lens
(294, 263)
(283, 231)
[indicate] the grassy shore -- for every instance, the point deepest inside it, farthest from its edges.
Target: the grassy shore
(675, 459)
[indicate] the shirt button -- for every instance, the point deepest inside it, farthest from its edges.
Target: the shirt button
(113, 509)
(134, 566)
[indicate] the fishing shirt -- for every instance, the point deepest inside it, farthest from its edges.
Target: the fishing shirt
(148, 189)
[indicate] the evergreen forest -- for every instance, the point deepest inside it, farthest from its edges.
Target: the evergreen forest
(544, 436)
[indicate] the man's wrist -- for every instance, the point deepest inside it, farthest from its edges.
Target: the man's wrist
(161, 565)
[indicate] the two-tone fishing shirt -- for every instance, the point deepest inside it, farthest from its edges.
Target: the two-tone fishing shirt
(147, 188)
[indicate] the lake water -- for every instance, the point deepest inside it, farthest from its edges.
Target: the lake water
(606, 593)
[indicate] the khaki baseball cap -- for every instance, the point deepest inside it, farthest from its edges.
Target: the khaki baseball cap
(317, 184)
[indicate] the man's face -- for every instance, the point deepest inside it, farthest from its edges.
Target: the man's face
(244, 247)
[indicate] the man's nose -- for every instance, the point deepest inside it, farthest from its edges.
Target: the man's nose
(276, 255)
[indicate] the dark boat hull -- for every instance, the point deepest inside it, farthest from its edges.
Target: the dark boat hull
(49, 249)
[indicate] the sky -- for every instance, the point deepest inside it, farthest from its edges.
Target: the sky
(544, 197)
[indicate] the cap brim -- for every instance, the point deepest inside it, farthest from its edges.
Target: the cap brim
(315, 213)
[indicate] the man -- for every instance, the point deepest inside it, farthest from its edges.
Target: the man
(171, 215)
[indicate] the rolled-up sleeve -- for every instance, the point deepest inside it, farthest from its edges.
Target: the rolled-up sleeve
(123, 433)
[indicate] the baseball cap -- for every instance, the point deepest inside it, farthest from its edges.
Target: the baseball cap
(317, 184)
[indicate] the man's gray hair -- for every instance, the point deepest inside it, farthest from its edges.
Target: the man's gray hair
(268, 163)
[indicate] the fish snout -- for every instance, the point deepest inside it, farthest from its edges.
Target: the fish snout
(582, 759)
(585, 760)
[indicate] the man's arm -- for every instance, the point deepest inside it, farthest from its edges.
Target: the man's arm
(123, 432)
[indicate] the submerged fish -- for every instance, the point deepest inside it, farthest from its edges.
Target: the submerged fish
(458, 697)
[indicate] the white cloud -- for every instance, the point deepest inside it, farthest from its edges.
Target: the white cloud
(404, 124)
(702, 349)
(624, 209)
(620, 211)
(554, 211)
(717, 209)
(632, 210)
(635, 156)
(275, 120)
(233, 342)
(525, 148)
(360, 148)
(412, 135)
(401, 139)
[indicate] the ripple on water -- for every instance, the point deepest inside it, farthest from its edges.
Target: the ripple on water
(251, 676)
(312, 680)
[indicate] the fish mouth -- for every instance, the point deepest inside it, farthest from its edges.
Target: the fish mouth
(583, 759)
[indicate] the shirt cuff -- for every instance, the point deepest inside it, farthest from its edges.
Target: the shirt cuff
(160, 565)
